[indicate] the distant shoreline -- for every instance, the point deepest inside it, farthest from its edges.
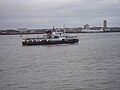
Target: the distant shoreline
(66, 32)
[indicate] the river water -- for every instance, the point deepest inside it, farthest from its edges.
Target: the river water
(92, 64)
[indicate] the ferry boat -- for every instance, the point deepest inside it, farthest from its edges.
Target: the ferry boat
(51, 38)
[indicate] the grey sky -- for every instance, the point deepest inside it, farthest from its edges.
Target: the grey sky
(48, 13)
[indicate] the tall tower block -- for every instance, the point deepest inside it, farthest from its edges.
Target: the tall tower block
(104, 24)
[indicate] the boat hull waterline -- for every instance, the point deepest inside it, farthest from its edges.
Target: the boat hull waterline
(45, 42)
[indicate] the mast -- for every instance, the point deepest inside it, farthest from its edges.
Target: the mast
(53, 28)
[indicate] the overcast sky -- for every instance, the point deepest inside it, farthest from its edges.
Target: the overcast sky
(49, 13)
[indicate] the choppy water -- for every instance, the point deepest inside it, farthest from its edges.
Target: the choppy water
(93, 64)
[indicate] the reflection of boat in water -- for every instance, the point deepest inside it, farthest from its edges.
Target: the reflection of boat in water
(51, 38)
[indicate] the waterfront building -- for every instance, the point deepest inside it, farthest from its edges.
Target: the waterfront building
(104, 24)
(22, 30)
(86, 26)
